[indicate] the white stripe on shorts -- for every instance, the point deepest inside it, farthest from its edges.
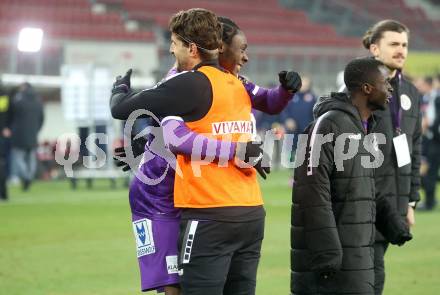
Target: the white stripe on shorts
(189, 240)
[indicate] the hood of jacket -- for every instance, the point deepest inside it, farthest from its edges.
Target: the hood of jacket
(337, 101)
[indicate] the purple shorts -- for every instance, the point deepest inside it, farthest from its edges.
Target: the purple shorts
(156, 249)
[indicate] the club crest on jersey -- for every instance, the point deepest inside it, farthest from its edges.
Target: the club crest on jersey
(144, 237)
(405, 102)
(232, 127)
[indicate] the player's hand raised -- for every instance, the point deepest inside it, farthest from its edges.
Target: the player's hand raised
(290, 80)
(122, 84)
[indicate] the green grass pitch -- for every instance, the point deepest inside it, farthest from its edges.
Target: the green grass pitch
(55, 241)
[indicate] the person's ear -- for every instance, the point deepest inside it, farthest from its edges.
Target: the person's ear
(221, 49)
(193, 50)
(367, 88)
(374, 49)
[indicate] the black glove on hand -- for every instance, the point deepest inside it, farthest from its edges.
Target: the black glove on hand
(396, 231)
(290, 80)
(247, 150)
(120, 156)
(390, 224)
(252, 154)
(122, 84)
(263, 170)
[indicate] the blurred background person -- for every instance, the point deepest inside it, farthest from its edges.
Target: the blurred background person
(5, 133)
(292, 120)
(431, 120)
(299, 112)
(27, 120)
(424, 86)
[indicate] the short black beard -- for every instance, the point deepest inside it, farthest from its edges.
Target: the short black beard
(393, 69)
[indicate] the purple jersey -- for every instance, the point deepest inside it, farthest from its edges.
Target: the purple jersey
(154, 201)
(271, 101)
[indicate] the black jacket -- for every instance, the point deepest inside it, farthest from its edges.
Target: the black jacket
(333, 212)
(27, 119)
(400, 185)
(434, 129)
(5, 110)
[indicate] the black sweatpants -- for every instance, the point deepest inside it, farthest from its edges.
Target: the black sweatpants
(430, 180)
(3, 176)
(219, 258)
(379, 266)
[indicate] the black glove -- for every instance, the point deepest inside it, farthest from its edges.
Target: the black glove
(252, 154)
(390, 224)
(263, 170)
(290, 80)
(122, 84)
(247, 150)
(120, 156)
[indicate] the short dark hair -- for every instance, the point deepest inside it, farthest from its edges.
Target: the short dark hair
(199, 26)
(360, 71)
(375, 33)
(230, 29)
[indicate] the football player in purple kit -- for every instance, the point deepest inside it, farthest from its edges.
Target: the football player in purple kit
(155, 220)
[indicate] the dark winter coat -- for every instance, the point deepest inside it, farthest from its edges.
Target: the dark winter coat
(5, 110)
(333, 212)
(400, 185)
(434, 129)
(27, 119)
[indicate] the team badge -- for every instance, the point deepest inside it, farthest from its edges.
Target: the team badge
(405, 102)
(144, 237)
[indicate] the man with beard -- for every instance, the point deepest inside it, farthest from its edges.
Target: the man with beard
(398, 178)
(333, 212)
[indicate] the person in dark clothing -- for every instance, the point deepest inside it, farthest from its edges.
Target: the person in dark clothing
(5, 133)
(398, 179)
(334, 206)
(299, 113)
(433, 152)
(27, 120)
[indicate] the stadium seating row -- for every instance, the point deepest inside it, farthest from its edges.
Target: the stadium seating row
(57, 14)
(66, 19)
(265, 22)
(80, 31)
